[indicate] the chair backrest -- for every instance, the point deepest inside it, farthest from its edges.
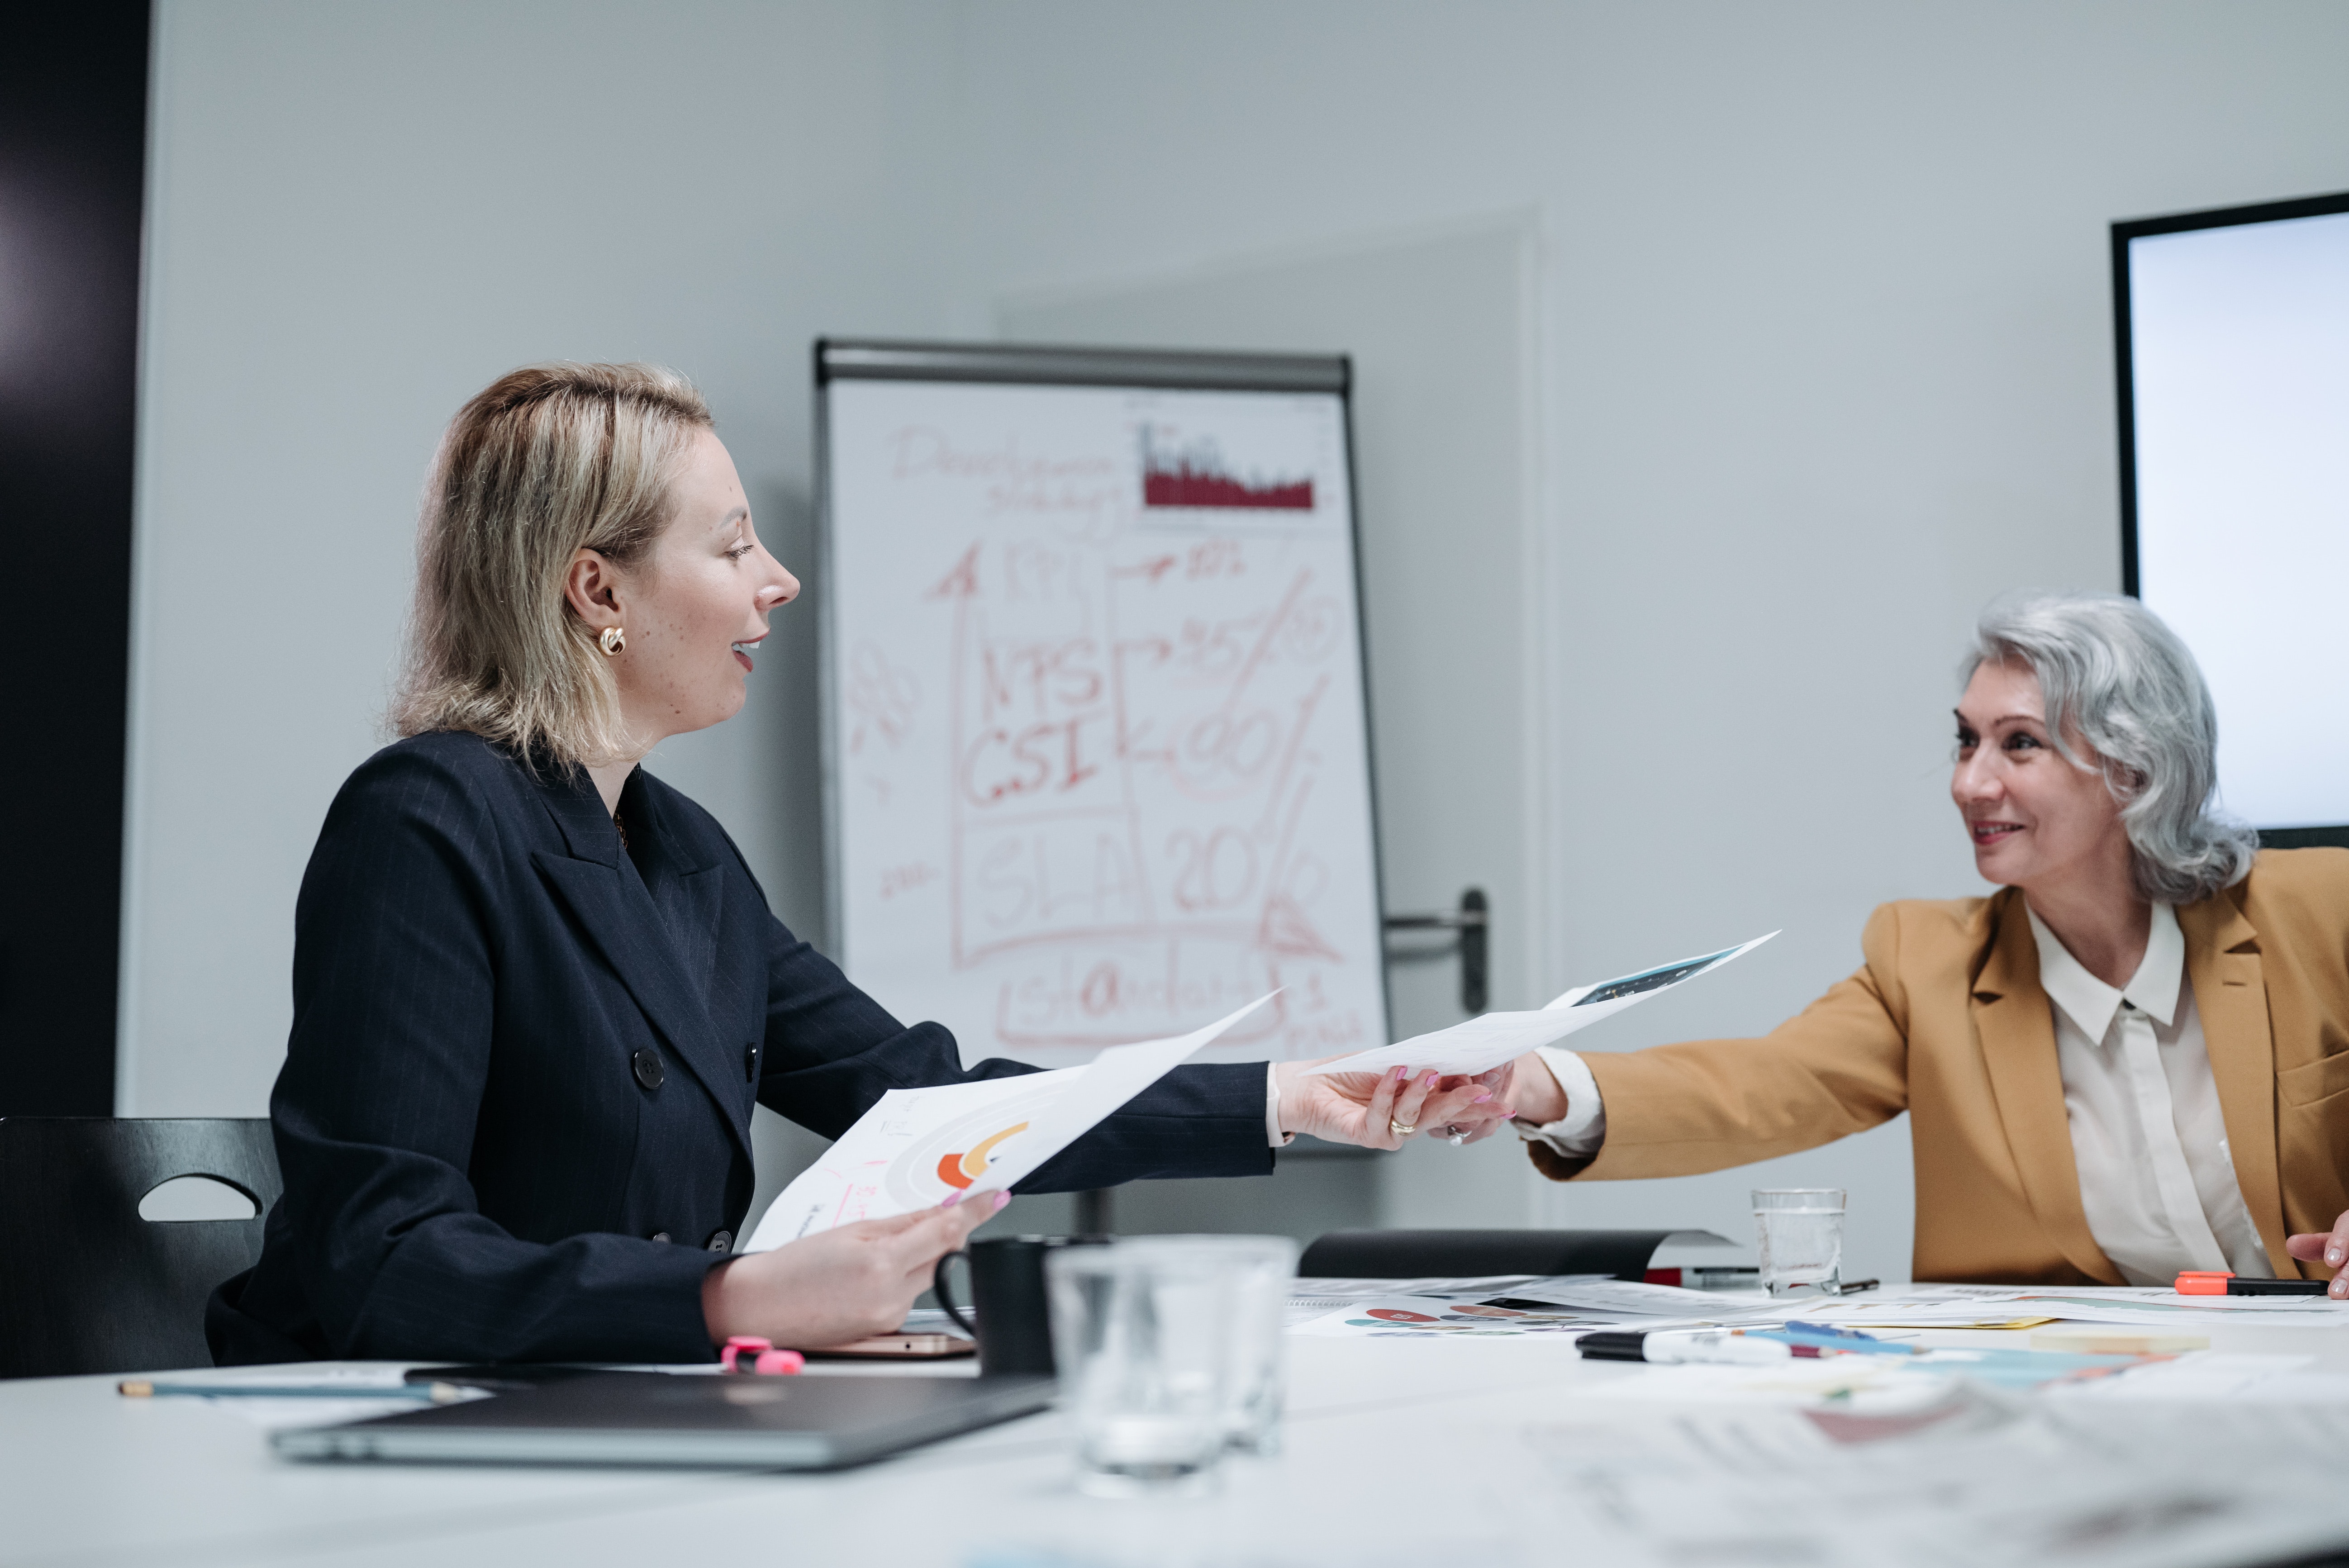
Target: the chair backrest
(88, 1285)
(1411, 1254)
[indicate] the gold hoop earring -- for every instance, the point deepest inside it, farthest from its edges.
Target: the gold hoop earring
(612, 641)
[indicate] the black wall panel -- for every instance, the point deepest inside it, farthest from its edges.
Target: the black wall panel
(73, 150)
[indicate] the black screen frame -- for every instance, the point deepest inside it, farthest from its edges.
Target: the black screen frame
(74, 88)
(2123, 232)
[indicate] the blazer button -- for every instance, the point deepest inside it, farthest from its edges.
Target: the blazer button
(722, 1241)
(648, 1067)
(660, 1236)
(750, 1061)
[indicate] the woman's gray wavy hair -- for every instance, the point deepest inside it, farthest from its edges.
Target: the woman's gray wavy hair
(2116, 677)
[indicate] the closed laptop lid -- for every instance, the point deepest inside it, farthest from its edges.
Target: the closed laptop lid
(704, 1420)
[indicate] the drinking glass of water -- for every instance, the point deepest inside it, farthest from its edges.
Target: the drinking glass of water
(1141, 1330)
(1801, 1238)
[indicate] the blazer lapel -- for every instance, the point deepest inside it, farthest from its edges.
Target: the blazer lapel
(618, 916)
(2231, 993)
(700, 894)
(2017, 1031)
(688, 898)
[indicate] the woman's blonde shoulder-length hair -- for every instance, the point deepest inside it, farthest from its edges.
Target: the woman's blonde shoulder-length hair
(545, 462)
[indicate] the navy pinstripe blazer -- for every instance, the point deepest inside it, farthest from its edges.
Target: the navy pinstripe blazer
(514, 1114)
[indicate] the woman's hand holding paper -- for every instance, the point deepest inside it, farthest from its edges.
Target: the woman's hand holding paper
(839, 1284)
(1383, 1110)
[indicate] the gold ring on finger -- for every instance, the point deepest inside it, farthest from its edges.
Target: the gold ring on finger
(1401, 1128)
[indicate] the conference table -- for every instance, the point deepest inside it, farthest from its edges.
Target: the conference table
(1461, 1450)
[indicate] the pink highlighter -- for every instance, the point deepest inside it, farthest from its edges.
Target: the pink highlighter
(749, 1352)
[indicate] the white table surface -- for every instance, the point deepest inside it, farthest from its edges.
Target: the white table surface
(1396, 1451)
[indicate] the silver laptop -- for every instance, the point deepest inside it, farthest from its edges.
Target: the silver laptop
(717, 1420)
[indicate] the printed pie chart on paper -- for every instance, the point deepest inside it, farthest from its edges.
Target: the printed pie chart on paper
(949, 1158)
(916, 1147)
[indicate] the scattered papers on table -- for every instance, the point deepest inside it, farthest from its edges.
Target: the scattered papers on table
(2222, 1377)
(1484, 1042)
(1424, 1316)
(1620, 1298)
(1879, 1382)
(1972, 1475)
(1468, 1287)
(1968, 1305)
(917, 1147)
(1511, 1304)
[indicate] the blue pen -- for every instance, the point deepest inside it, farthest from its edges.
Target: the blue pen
(1818, 1337)
(1833, 1330)
(413, 1393)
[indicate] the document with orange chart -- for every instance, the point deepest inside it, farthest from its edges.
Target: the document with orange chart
(917, 1147)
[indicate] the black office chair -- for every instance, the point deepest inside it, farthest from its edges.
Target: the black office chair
(88, 1285)
(1411, 1254)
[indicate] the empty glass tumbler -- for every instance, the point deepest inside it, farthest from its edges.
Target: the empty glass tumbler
(1262, 1267)
(1801, 1238)
(1163, 1360)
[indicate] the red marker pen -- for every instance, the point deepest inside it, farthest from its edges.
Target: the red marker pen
(2218, 1282)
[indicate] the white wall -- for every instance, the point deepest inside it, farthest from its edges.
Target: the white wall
(359, 216)
(1823, 362)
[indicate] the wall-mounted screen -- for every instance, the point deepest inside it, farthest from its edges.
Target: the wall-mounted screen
(2233, 335)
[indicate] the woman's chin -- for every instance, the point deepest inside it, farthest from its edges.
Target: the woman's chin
(1994, 866)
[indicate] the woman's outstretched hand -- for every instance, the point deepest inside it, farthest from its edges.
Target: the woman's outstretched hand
(1533, 1095)
(839, 1284)
(1383, 1110)
(2331, 1250)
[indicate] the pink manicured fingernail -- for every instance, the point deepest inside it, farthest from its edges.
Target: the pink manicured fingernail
(1001, 1199)
(950, 1199)
(1402, 1073)
(1480, 1100)
(1431, 1081)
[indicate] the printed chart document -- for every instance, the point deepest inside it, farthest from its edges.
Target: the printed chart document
(1511, 1304)
(917, 1147)
(1960, 1305)
(1969, 1475)
(1486, 1042)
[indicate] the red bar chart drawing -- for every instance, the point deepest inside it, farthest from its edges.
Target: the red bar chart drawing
(1194, 476)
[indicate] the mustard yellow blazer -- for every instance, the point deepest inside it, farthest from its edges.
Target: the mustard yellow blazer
(1946, 1020)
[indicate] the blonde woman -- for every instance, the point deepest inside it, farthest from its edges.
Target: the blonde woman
(537, 992)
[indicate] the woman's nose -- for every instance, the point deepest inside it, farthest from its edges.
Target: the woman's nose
(784, 589)
(1974, 780)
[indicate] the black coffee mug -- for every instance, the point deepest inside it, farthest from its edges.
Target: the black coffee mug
(1007, 1291)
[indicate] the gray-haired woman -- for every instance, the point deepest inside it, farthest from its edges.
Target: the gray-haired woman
(2131, 1061)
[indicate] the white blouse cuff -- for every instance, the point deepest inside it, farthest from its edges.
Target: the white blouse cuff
(1578, 1133)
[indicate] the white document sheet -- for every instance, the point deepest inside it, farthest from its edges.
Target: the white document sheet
(1406, 1316)
(1971, 1476)
(1486, 1042)
(1623, 1298)
(917, 1147)
(1956, 1306)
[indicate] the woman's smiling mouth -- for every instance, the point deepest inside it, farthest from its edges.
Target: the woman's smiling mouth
(1992, 833)
(742, 650)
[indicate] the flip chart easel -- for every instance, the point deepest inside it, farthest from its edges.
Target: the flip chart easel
(1097, 747)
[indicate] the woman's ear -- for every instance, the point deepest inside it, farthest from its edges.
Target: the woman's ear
(592, 584)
